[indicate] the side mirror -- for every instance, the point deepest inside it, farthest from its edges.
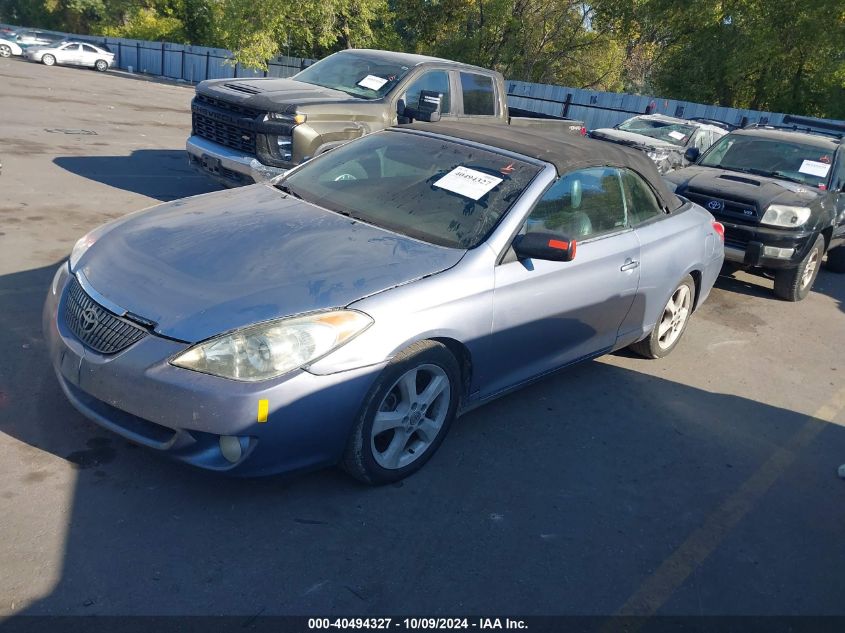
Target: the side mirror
(400, 108)
(546, 246)
(428, 108)
(692, 154)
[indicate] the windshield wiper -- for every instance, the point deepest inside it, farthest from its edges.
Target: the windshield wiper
(784, 176)
(286, 189)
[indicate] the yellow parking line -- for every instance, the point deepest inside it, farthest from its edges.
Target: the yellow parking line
(672, 573)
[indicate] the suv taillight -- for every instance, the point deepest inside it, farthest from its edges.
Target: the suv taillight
(720, 229)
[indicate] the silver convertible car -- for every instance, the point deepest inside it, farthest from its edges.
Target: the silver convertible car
(348, 311)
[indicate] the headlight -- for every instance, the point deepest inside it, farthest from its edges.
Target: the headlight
(784, 215)
(81, 247)
(657, 155)
(288, 118)
(271, 349)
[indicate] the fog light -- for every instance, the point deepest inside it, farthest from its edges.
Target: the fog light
(231, 448)
(779, 253)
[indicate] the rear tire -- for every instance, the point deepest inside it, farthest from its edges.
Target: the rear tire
(101, 65)
(405, 416)
(48, 60)
(5, 51)
(794, 284)
(671, 325)
(836, 259)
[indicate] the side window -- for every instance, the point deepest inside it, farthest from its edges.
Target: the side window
(641, 201)
(88, 49)
(581, 204)
(701, 140)
(436, 80)
(479, 99)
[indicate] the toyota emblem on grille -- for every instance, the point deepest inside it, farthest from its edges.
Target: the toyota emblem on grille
(88, 319)
(715, 205)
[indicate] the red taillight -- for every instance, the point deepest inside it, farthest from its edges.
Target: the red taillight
(720, 229)
(583, 131)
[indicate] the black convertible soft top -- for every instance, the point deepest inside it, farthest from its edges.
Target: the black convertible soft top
(566, 152)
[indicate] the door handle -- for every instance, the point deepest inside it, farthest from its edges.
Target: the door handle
(630, 264)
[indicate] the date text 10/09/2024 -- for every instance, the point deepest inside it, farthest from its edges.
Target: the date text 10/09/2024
(413, 624)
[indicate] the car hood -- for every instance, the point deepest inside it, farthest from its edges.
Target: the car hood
(205, 265)
(750, 188)
(633, 139)
(269, 94)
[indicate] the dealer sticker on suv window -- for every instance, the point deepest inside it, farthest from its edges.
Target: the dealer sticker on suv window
(372, 82)
(468, 182)
(814, 168)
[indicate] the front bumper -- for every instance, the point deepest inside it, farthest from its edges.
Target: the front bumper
(744, 244)
(137, 394)
(227, 166)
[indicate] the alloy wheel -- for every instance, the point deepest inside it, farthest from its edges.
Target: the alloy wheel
(810, 268)
(675, 316)
(410, 416)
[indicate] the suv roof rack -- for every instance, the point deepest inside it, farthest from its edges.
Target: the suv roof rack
(805, 125)
(722, 124)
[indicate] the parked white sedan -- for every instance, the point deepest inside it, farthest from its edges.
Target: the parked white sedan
(72, 54)
(9, 48)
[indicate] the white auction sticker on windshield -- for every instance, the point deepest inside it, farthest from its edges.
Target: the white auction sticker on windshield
(468, 182)
(372, 82)
(677, 135)
(814, 168)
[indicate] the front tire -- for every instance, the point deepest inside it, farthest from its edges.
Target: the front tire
(101, 66)
(836, 259)
(48, 60)
(405, 416)
(673, 322)
(794, 284)
(5, 51)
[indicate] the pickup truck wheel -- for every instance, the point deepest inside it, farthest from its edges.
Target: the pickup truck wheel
(671, 324)
(101, 65)
(5, 51)
(48, 60)
(794, 284)
(836, 259)
(405, 416)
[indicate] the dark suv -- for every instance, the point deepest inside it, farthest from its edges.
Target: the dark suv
(780, 193)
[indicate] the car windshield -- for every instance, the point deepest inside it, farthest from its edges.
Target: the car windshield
(355, 74)
(788, 160)
(436, 190)
(674, 133)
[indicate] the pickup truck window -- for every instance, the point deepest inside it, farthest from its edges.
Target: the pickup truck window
(478, 94)
(581, 204)
(788, 160)
(355, 74)
(436, 80)
(431, 189)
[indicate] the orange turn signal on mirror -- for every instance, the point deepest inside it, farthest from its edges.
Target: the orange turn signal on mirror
(559, 244)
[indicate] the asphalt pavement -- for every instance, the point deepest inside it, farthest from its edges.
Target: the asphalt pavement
(704, 483)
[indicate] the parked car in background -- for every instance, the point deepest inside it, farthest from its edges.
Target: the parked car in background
(248, 130)
(349, 310)
(9, 48)
(26, 39)
(665, 139)
(780, 192)
(72, 53)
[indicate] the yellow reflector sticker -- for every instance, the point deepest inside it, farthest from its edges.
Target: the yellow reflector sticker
(263, 410)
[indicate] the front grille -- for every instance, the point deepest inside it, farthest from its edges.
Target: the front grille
(228, 106)
(95, 326)
(224, 134)
(740, 211)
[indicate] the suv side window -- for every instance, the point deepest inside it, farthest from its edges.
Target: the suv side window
(582, 204)
(640, 199)
(435, 80)
(479, 98)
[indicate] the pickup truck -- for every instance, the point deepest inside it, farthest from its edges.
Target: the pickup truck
(251, 130)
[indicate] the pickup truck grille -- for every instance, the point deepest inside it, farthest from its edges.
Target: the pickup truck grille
(216, 120)
(224, 133)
